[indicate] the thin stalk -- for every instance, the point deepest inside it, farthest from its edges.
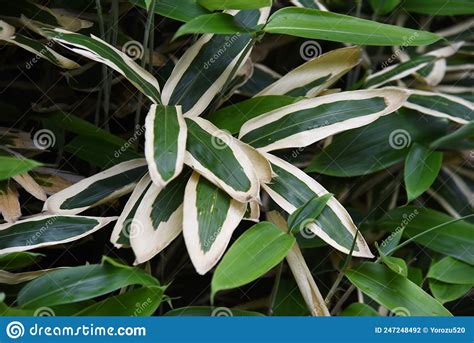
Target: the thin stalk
(276, 285)
(146, 37)
(98, 7)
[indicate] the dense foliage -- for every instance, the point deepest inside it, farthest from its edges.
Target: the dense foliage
(202, 157)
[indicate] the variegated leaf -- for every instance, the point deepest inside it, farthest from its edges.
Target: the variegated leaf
(210, 218)
(292, 188)
(17, 278)
(441, 105)
(97, 189)
(204, 69)
(261, 78)
(121, 233)
(100, 51)
(158, 219)
(47, 230)
(401, 70)
(316, 75)
(31, 186)
(316, 4)
(311, 120)
(39, 49)
(217, 156)
(165, 143)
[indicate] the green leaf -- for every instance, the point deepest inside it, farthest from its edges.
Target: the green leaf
(210, 218)
(450, 270)
(450, 140)
(165, 143)
(12, 166)
(217, 23)
(213, 5)
(257, 251)
(18, 260)
(394, 291)
(310, 120)
(81, 283)
(359, 309)
(97, 189)
(383, 7)
(207, 311)
(376, 146)
(446, 292)
(455, 240)
(138, 302)
(307, 213)
(316, 24)
(396, 264)
(291, 188)
(439, 7)
(232, 117)
(46, 230)
(261, 78)
(422, 166)
(184, 10)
